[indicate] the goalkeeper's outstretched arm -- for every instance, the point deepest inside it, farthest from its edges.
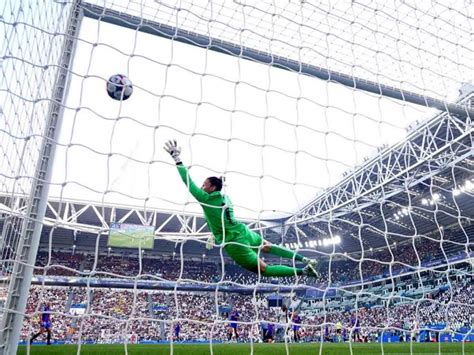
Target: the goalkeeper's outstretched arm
(210, 185)
(199, 194)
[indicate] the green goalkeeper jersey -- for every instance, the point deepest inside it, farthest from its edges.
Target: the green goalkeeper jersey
(217, 208)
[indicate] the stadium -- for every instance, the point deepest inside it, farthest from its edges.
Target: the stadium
(341, 132)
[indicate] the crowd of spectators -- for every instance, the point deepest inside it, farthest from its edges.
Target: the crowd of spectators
(105, 315)
(341, 269)
(118, 315)
(59, 263)
(452, 309)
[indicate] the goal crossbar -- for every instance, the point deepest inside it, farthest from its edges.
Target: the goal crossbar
(162, 30)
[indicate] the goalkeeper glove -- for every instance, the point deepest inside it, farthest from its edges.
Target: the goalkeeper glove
(210, 242)
(172, 148)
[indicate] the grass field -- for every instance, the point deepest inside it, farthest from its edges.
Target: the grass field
(259, 349)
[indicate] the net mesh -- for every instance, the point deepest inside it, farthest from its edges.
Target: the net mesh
(377, 189)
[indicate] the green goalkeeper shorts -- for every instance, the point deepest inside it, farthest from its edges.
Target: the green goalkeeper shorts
(244, 248)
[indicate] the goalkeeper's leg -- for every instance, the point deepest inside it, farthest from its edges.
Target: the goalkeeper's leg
(283, 270)
(283, 252)
(290, 254)
(255, 240)
(246, 257)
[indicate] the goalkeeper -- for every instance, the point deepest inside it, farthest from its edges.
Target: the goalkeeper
(240, 243)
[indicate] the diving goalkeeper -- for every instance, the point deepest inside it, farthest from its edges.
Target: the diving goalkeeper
(240, 243)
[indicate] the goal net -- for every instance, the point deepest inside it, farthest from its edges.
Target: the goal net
(343, 131)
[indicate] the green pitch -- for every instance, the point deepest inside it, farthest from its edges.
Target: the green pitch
(259, 349)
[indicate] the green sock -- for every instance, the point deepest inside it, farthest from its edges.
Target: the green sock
(282, 270)
(285, 253)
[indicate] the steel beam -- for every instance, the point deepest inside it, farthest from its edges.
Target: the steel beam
(214, 44)
(445, 138)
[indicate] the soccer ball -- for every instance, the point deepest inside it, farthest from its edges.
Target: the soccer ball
(119, 87)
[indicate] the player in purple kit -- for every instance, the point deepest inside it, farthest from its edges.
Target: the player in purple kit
(269, 334)
(296, 320)
(326, 333)
(177, 329)
(45, 324)
(233, 319)
(356, 327)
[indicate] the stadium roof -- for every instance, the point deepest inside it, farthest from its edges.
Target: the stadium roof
(405, 196)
